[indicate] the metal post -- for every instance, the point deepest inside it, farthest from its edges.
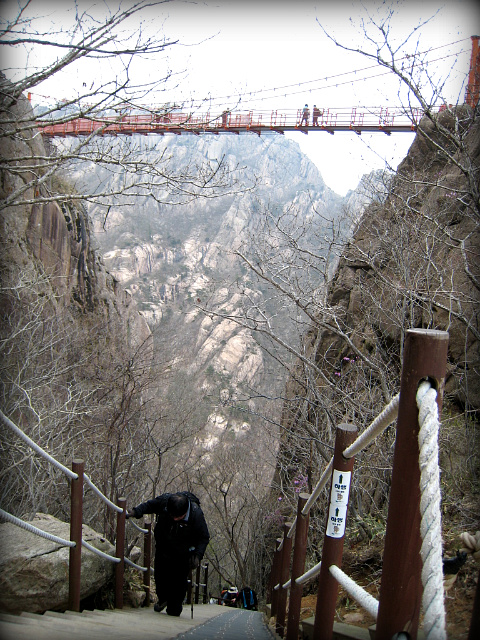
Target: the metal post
(197, 584)
(205, 582)
(76, 519)
(147, 559)
(298, 567)
(283, 577)
(275, 577)
(334, 533)
(120, 553)
(425, 356)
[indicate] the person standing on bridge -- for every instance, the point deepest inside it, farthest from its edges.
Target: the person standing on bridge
(181, 537)
(305, 116)
(225, 115)
(316, 113)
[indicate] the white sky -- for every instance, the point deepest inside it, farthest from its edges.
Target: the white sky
(240, 47)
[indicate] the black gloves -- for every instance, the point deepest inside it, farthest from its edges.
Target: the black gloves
(130, 514)
(194, 562)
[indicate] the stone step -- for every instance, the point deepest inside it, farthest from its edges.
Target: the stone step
(341, 631)
(122, 624)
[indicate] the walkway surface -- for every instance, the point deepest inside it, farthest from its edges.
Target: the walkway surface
(209, 622)
(234, 624)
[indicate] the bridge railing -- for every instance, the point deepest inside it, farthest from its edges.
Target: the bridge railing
(78, 478)
(330, 119)
(412, 572)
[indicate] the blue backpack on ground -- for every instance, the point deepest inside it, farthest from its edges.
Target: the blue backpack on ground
(247, 599)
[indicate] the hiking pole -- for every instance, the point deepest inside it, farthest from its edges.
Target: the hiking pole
(191, 596)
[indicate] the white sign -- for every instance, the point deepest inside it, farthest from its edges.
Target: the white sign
(337, 513)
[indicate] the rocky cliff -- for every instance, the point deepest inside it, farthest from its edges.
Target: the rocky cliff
(177, 259)
(54, 236)
(413, 262)
(69, 332)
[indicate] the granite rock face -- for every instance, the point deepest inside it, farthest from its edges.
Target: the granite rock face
(34, 571)
(38, 232)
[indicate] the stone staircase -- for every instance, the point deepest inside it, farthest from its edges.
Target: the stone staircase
(124, 624)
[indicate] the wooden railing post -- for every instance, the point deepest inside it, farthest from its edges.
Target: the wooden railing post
(205, 582)
(76, 519)
(298, 567)
(275, 577)
(120, 553)
(474, 631)
(283, 577)
(147, 559)
(334, 533)
(425, 356)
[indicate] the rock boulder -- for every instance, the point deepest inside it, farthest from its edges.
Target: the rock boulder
(34, 571)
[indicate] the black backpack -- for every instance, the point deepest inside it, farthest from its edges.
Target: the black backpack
(191, 496)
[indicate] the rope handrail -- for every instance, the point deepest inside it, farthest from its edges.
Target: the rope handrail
(96, 490)
(318, 488)
(102, 554)
(327, 472)
(36, 447)
(430, 524)
(59, 465)
(305, 577)
(430, 528)
(365, 599)
(415, 489)
(61, 541)
(431, 550)
(310, 574)
(380, 423)
(32, 529)
(134, 566)
(135, 525)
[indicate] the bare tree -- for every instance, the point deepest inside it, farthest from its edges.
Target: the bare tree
(78, 376)
(118, 37)
(353, 289)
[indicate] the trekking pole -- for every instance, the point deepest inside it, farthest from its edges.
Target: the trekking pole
(191, 598)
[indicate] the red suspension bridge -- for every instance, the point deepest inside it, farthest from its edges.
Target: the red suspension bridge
(358, 119)
(385, 120)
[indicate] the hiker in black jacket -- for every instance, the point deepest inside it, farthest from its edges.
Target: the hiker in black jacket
(181, 537)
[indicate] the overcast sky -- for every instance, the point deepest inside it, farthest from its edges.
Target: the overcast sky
(264, 55)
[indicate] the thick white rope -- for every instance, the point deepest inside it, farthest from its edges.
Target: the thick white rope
(431, 524)
(381, 422)
(47, 456)
(326, 475)
(367, 601)
(136, 526)
(29, 527)
(100, 495)
(310, 574)
(103, 555)
(35, 447)
(134, 566)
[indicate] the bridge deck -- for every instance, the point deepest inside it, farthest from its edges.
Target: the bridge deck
(347, 120)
